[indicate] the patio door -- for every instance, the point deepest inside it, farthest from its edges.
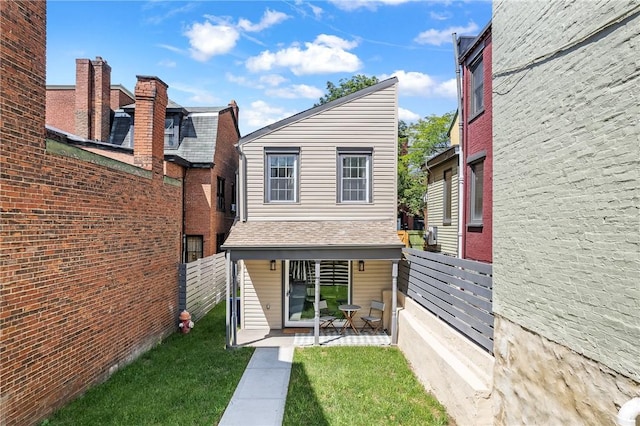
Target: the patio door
(299, 289)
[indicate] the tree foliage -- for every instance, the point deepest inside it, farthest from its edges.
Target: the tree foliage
(346, 87)
(424, 138)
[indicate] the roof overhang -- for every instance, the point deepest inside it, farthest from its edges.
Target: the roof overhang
(314, 240)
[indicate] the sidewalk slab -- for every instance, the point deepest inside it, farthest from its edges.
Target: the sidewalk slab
(261, 394)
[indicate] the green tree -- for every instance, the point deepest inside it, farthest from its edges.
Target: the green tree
(425, 137)
(346, 87)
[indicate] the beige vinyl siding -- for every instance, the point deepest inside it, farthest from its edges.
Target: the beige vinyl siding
(260, 287)
(368, 122)
(447, 234)
(369, 284)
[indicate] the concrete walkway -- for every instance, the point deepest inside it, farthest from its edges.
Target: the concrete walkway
(262, 391)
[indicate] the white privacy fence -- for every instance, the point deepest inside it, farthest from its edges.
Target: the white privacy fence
(202, 285)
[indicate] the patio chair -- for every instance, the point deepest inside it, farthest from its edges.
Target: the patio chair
(373, 321)
(326, 319)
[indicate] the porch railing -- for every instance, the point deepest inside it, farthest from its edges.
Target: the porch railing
(202, 285)
(458, 291)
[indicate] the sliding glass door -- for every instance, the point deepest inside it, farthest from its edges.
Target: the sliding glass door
(299, 294)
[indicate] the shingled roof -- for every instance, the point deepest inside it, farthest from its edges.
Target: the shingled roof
(198, 132)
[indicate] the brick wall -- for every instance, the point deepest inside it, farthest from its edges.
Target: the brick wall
(60, 108)
(203, 217)
(89, 253)
(566, 185)
(478, 136)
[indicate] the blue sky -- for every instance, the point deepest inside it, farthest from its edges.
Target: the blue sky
(273, 58)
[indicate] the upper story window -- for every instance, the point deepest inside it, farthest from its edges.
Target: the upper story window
(220, 194)
(354, 175)
(171, 132)
(477, 87)
(281, 180)
(447, 192)
(476, 164)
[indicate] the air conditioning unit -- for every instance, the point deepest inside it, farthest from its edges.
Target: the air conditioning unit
(432, 236)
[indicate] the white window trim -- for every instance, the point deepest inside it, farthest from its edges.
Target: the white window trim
(355, 152)
(473, 108)
(295, 153)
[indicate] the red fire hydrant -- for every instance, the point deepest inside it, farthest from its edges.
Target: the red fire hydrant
(185, 322)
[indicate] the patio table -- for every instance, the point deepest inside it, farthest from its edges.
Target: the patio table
(349, 312)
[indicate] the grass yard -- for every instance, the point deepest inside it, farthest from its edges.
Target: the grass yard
(187, 380)
(357, 386)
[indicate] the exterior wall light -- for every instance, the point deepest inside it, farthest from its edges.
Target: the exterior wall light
(272, 265)
(361, 265)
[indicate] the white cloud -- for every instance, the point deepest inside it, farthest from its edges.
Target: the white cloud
(296, 91)
(440, 37)
(440, 16)
(406, 115)
(272, 80)
(269, 19)
(198, 96)
(317, 11)
(418, 84)
(207, 39)
(268, 80)
(350, 5)
(260, 114)
(326, 54)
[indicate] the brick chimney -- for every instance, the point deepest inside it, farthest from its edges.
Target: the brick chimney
(102, 100)
(84, 88)
(93, 99)
(148, 133)
(236, 109)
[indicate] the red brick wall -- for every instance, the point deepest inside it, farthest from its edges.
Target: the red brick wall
(478, 136)
(88, 254)
(203, 217)
(120, 99)
(60, 109)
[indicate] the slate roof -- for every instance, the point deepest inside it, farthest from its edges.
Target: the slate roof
(310, 234)
(198, 132)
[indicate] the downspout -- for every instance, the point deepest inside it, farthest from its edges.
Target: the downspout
(227, 317)
(242, 210)
(461, 165)
(316, 314)
(628, 413)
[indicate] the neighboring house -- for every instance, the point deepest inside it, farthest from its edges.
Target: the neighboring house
(317, 213)
(566, 212)
(441, 233)
(477, 145)
(199, 141)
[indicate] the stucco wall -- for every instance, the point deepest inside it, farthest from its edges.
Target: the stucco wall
(566, 186)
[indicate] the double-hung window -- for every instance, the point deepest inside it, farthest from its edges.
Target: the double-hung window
(447, 192)
(281, 177)
(476, 164)
(477, 87)
(354, 175)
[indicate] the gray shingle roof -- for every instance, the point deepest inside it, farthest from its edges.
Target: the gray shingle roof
(198, 136)
(309, 234)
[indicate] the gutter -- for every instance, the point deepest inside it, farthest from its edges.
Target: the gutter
(242, 210)
(461, 165)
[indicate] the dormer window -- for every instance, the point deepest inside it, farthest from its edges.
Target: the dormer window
(171, 132)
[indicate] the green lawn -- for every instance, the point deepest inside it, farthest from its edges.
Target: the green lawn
(357, 386)
(190, 379)
(187, 380)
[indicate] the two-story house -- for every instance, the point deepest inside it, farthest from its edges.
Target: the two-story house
(317, 214)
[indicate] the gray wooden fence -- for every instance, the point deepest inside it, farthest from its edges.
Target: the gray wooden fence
(458, 291)
(202, 285)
